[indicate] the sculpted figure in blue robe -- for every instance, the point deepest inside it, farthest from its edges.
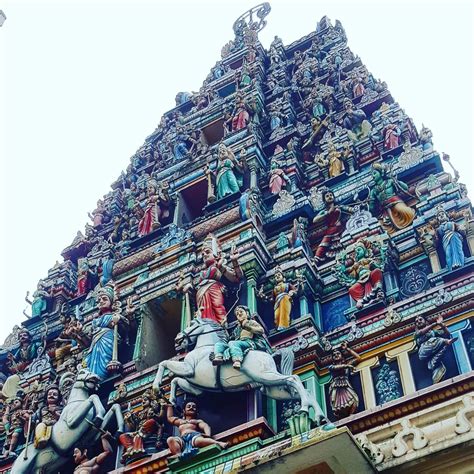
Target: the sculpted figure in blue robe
(451, 239)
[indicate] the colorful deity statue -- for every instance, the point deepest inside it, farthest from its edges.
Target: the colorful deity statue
(278, 178)
(357, 84)
(432, 344)
(40, 300)
(344, 399)
(333, 162)
(228, 173)
(142, 425)
(19, 360)
(71, 337)
(100, 351)
(46, 416)
(240, 114)
(84, 277)
(193, 432)
(247, 335)
(98, 214)
(15, 419)
(331, 218)
(361, 270)
(391, 134)
(282, 295)
(386, 195)
(209, 285)
(156, 207)
(86, 465)
(450, 235)
(355, 122)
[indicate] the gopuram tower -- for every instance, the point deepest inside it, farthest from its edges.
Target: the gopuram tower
(281, 279)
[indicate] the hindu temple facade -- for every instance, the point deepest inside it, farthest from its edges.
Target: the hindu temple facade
(282, 278)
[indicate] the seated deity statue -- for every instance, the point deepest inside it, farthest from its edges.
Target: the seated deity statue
(248, 335)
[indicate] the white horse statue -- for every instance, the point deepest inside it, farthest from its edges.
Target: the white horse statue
(196, 374)
(73, 429)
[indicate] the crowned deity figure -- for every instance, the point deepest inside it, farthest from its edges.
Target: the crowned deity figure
(331, 218)
(156, 207)
(240, 114)
(361, 270)
(100, 351)
(432, 344)
(343, 397)
(142, 425)
(355, 122)
(450, 235)
(282, 296)
(278, 178)
(209, 282)
(386, 195)
(40, 300)
(228, 172)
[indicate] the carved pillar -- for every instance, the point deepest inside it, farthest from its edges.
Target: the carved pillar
(318, 315)
(304, 308)
(401, 353)
(251, 295)
(430, 250)
(470, 235)
(459, 347)
(253, 174)
(364, 368)
(185, 311)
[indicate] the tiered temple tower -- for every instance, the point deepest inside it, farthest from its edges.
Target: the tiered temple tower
(292, 203)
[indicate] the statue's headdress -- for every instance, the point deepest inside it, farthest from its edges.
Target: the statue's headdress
(211, 242)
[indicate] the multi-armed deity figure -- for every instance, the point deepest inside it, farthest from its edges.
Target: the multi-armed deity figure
(247, 335)
(432, 344)
(142, 425)
(209, 285)
(193, 432)
(361, 270)
(386, 195)
(156, 208)
(332, 220)
(344, 399)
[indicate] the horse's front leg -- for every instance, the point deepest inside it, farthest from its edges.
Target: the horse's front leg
(77, 416)
(114, 410)
(187, 387)
(180, 369)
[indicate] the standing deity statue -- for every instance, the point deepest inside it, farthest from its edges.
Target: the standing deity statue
(449, 233)
(40, 300)
(98, 214)
(391, 134)
(100, 351)
(344, 399)
(432, 344)
(240, 114)
(209, 286)
(140, 426)
(247, 335)
(385, 194)
(278, 178)
(193, 432)
(334, 161)
(282, 295)
(361, 270)
(20, 359)
(15, 419)
(84, 277)
(228, 172)
(331, 218)
(156, 208)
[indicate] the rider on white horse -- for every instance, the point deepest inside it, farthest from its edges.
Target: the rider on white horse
(248, 334)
